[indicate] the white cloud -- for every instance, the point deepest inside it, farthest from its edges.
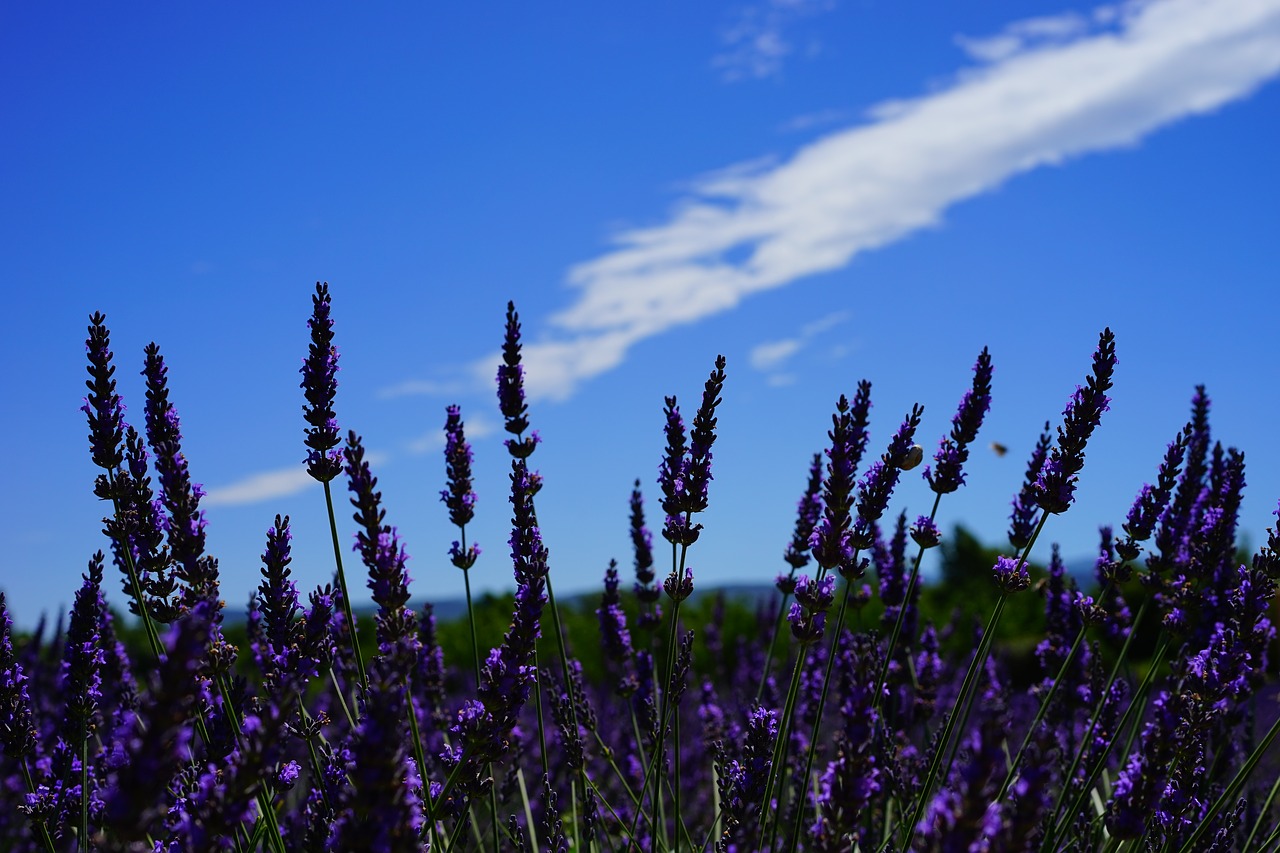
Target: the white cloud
(756, 45)
(259, 487)
(418, 387)
(870, 185)
(474, 426)
(1064, 90)
(771, 355)
(265, 485)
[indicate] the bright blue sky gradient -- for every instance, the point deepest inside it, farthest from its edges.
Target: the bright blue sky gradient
(822, 191)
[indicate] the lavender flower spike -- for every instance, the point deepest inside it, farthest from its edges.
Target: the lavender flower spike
(830, 539)
(319, 385)
(1022, 519)
(180, 496)
(459, 496)
(379, 548)
(17, 729)
(103, 406)
(953, 451)
(511, 390)
(1055, 487)
(877, 486)
(808, 511)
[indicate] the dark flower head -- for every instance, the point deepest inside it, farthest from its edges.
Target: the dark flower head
(459, 496)
(17, 729)
(181, 497)
(877, 486)
(830, 539)
(1055, 487)
(947, 474)
(511, 378)
(925, 532)
(1011, 575)
(641, 539)
(379, 548)
(1022, 519)
(1152, 500)
(319, 386)
(701, 437)
(808, 511)
(103, 406)
(679, 586)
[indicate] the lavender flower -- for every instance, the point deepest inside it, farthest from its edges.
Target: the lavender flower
(379, 548)
(319, 386)
(830, 539)
(809, 510)
(744, 780)
(1022, 519)
(1010, 574)
(615, 639)
(925, 532)
(459, 496)
(953, 450)
(511, 390)
(880, 480)
(1152, 500)
(181, 498)
(103, 406)
(1056, 483)
(17, 728)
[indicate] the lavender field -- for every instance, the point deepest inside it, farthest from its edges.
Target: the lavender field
(1137, 714)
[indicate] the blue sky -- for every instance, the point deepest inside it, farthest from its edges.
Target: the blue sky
(822, 190)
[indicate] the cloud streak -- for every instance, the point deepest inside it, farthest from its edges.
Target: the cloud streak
(1046, 90)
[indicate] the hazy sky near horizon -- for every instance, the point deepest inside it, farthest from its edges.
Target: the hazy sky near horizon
(821, 190)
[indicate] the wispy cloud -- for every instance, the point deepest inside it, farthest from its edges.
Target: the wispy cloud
(259, 487)
(475, 426)
(1064, 90)
(758, 42)
(266, 485)
(771, 356)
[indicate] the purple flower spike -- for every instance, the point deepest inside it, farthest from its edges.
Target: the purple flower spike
(1022, 519)
(319, 386)
(877, 486)
(103, 406)
(701, 437)
(511, 390)
(17, 729)
(685, 472)
(180, 496)
(830, 539)
(1055, 487)
(809, 510)
(953, 451)
(1011, 575)
(1152, 500)
(379, 548)
(925, 532)
(459, 497)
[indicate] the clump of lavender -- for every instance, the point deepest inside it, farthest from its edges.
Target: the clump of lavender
(187, 752)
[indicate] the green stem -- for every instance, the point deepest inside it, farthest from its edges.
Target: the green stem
(773, 640)
(346, 596)
(1053, 689)
(817, 718)
(1262, 814)
(783, 742)
(1233, 789)
(1100, 762)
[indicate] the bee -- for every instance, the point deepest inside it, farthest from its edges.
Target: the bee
(998, 448)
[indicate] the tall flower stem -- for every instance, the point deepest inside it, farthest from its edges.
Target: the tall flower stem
(1262, 815)
(346, 596)
(1130, 715)
(773, 641)
(896, 633)
(964, 701)
(783, 742)
(1053, 690)
(817, 717)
